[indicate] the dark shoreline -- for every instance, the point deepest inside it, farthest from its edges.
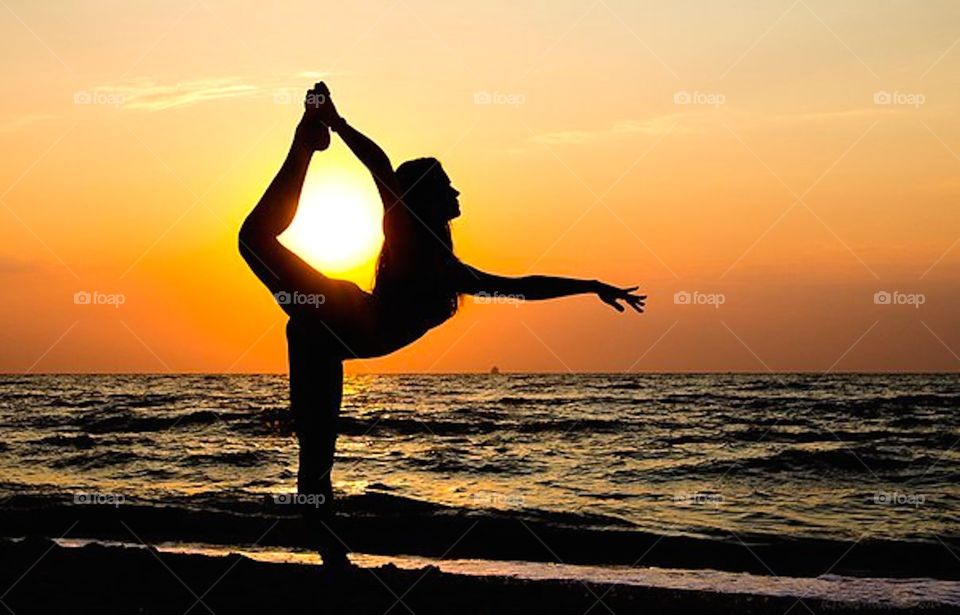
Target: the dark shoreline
(387, 525)
(43, 577)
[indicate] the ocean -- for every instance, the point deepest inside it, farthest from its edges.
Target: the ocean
(785, 463)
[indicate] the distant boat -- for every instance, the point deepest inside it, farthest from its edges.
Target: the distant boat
(494, 370)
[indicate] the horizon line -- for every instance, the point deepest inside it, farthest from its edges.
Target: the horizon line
(518, 372)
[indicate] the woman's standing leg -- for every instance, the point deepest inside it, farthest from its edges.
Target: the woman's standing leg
(316, 389)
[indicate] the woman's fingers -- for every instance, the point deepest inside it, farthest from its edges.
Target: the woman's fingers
(637, 302)
(612, 303)
(612, 296)
(317, 96)
(310, 101)
(318, 103)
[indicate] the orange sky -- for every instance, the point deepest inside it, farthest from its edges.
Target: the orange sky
(781, 163)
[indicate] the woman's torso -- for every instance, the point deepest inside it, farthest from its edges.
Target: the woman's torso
(368, 325)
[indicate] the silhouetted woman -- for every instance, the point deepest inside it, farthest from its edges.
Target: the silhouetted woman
(418, 283)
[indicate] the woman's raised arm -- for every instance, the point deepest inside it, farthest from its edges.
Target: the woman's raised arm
(373, 157)
(395, 214)
(369, 153)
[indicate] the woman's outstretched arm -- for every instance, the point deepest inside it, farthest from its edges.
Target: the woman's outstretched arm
(277, 267)
(472, 281)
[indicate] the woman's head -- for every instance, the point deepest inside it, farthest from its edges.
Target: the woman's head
(427, 190)
(415, 254)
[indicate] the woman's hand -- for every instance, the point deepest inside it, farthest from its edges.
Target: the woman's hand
(320, 103)
(318, 111)
(611, 295)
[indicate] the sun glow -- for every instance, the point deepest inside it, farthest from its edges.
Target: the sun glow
(337, 228)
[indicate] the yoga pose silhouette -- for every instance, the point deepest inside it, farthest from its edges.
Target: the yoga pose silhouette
(417, 287)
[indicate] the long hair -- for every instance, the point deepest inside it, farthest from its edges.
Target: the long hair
(412, 262)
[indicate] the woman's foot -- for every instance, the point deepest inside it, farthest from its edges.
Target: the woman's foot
(336, 569)
(333, 553)
(336, 562)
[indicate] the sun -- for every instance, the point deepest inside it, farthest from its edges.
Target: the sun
(337, 228)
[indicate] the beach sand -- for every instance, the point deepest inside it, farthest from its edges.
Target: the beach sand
(43, 577)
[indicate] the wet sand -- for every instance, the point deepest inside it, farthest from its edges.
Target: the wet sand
(388, 525)
(43, 577)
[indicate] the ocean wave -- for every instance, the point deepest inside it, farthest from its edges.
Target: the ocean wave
(114, 401)
(695, 399)
(123, 421)
(927, 400)
(454, 465)
(353, 426)
(847, 460)
(824, 434)
(95, 460)
(77, 441)
(557, 400)
(243, 459)
(774, 383)
(623, 386)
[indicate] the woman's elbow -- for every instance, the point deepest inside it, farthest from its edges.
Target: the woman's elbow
(245, 237)
(250, 241)
(243, 247)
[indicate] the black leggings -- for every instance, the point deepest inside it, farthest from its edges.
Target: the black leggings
(316, 390)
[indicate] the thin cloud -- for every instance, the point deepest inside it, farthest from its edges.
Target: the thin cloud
(146, 94)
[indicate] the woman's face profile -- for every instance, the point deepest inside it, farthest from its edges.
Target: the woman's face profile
(445, 197)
